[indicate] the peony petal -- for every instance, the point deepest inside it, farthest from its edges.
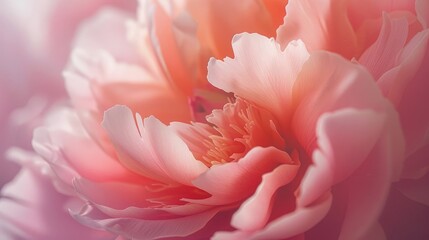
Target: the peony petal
(107, 31)
(254, 213)
(146, 229)
(381, 56)
(33, 209)
(422, 9)
(368, 189)
(327, 83)
(375, 233)
(176, 40)
(320, 24)
(239, 179)
(360, 11)
(342, 149)
(296, 222)
(260, 72)
(415, 189)
(222, 23)
(155, 152)
(414, 121)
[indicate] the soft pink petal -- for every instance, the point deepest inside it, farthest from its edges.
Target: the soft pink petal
(413, 81)
(368, 189)
(342, 149)
(296, 222)
(235, 235)
(254, 213)
(106, 31)
(36, 210)
(417, 164)
(60, 143)
(327, 83)
(415, 189)
(146, 229)
(320, 24)
(260, 72)
(234, 181)
(153, 150)
(360, 11)
(125, 194)
(375, 233)
(422, 9)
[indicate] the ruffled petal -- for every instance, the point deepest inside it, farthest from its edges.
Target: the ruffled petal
(146, 229)
(381, 56)
(342, 149)
(260, 72)
(327, 83)
(296, 222)
(234, 181)
(254, 213)
(153, 150)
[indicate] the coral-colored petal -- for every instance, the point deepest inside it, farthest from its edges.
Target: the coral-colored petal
(221, 23)
(175, 38)
(322, 25)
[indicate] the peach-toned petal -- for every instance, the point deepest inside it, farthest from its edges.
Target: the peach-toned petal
(234, 181)
(153, 150)
(260, 72)
(176, 40)
(254, 213)
(98, 82)
(320, 24)
(221, 23)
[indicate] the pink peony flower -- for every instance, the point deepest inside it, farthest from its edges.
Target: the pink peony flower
(391, 40)
(288, 148)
